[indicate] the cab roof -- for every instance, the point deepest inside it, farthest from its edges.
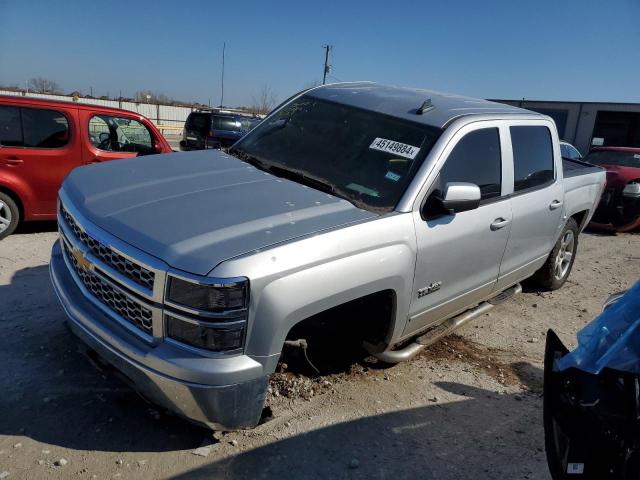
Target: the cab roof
(438, 109)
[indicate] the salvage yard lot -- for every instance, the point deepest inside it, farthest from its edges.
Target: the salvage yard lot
(469, 406)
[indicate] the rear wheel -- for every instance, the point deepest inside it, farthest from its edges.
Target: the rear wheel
(9, 215)
(556, 269)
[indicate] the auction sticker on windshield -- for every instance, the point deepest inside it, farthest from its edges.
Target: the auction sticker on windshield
(396, 148)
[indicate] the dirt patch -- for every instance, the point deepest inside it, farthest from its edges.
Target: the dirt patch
(456, 348)
(297, 386)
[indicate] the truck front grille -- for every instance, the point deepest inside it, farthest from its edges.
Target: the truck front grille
(112, 297)
(126, 267)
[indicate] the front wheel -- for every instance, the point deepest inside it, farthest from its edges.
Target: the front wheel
(9, 215)
(556, 269)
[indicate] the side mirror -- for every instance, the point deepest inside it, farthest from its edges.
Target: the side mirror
(104, 136)
(460, 197)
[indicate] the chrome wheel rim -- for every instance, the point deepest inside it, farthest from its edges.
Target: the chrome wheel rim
(565, 254)
(5, 216)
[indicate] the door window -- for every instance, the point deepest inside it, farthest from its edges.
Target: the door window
(532, 156)
(44, 128)
(10, 127)
(117, 134)
(476, 159)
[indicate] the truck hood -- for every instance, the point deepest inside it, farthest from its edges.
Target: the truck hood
(195, 210)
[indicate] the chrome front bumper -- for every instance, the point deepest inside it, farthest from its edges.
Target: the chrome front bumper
(220, 393)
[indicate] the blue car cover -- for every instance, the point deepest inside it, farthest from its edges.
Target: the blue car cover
(612, 340)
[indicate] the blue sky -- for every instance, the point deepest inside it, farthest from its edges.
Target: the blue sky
(544, 49)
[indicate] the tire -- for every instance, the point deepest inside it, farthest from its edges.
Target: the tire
(9, 215)
(557, 268)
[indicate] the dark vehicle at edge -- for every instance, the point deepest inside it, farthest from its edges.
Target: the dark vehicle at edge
(619, 208)
(591, 396)
(206, 129)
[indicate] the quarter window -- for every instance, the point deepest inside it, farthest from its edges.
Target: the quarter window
(532, 156)
(476, 159)
(10, 127)
(117, 134)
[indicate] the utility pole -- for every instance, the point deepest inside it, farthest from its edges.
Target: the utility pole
(327, 67)
(224, 46)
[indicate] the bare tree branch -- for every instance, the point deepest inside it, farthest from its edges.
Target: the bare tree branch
(43, 85)
(264, 101)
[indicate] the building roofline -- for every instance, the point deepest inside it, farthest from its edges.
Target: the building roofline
(528, 100)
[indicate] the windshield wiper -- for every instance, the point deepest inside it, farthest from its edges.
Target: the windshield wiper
(304, 179)
(293, 175)
(245, 157)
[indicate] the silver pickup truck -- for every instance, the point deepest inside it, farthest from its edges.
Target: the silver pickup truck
(403, 212)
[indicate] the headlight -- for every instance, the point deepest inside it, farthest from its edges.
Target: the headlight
(201, 335)
(632, 190)
(209, 298)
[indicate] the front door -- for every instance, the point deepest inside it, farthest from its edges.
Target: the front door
(459, 255)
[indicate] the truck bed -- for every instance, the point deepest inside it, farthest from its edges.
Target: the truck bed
(583, 185)
(572, 168)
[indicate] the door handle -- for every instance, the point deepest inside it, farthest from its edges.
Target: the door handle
(11, 161)
(498, 223)
(555, 204)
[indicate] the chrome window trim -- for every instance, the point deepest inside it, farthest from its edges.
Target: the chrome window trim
(156, 313)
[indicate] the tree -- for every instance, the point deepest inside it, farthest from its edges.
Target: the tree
(43, 85)
(264, 101)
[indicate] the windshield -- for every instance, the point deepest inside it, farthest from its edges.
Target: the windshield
(613, 157)
(365, 157)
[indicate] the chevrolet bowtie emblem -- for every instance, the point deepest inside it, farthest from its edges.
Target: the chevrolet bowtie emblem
(81, 260)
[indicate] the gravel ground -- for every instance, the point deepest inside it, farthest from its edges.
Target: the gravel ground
(469, 407)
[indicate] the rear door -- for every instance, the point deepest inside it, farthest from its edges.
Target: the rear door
(196, 130)
(459, 255)
(226, 130)
(43, 151)
(537, 199)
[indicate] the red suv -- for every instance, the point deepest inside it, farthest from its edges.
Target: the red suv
(41, 141)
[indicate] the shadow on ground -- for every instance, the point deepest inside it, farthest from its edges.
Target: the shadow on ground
(37, 227)
(52, 394)
(484, 435)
